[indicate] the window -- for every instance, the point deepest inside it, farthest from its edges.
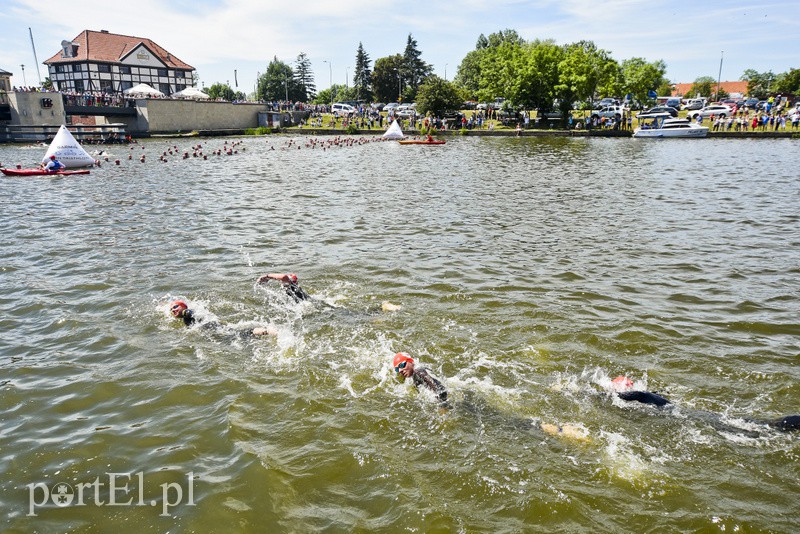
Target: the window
(106, 86)
(76, 67)
(165, 88)
(180, 74)
(162, 72)
(103, 67)
(59, 68)
(124, 70)
(79, 85)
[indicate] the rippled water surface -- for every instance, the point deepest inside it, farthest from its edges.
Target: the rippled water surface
(528, 273)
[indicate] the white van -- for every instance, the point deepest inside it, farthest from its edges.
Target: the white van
(339, 109)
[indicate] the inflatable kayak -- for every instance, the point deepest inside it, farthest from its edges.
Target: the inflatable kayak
(422, 142)
(40, 172)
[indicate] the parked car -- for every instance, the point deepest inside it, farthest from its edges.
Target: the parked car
(674, 102)
(662, 109)
(405, 110)
(378, 106)
(391, 106)
(339, 109)
(610, 112)
(751, 103)
(607, 101)
(718, 110)
(482, 105)
(694, 103)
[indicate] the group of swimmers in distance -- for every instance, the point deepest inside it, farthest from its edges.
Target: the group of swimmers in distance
(405, 367)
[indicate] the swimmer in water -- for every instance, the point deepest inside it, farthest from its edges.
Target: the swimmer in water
(289, 283)
(293, 289)
(623, 386)
(405, 368)
(180, 310)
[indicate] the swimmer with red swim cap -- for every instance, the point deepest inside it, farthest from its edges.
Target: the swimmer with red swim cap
(624, 388)
(180, 310)
(405, 368)
(289, 283)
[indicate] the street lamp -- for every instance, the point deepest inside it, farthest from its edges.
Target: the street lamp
(719, 77)
(24, 82)
(347, 77)
(286, 86)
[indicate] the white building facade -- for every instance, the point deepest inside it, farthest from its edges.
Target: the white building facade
(110, 63)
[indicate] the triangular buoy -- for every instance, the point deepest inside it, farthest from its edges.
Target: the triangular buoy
(68, 151)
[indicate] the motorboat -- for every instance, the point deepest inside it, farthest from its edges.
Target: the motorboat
(659, 125)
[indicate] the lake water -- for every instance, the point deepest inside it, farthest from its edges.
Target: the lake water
(529, 272)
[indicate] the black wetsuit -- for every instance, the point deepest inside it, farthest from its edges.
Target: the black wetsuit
(421, 376)
(785, 424)
(644, 397)
(296, 292)
(189, 320)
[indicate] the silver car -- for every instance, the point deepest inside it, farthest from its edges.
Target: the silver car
(718, 110)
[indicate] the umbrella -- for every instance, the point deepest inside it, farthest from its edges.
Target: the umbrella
(143, 89)
(190, 92)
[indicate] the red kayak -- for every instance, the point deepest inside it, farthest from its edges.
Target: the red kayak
(422, 142)
(40, 172)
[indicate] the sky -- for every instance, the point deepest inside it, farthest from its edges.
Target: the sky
(232, 41)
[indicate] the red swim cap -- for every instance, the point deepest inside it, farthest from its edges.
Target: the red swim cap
(177, 307)
(622, 382)
(401, 357)
(292, 278)
(53, 156)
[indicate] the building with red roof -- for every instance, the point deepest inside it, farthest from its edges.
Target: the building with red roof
(735, 89)
(110, 63)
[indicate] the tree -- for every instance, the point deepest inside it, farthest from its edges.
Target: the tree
(758, 83)
(278, 83)
(583, 70)
(436, 96)
(304, 78)
(413, 69)
(336, 93)
(788, 82)
(47, 84)
(640, 78)
(703, 86)
(469, 73)
(386, 79)
(221, 90)
(362, 77)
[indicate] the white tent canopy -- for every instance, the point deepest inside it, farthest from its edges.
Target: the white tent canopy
(142, 89)
(394, 131)
(190, 92)
(68, 151)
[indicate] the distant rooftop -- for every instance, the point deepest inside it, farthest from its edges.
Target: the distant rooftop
(681, 89)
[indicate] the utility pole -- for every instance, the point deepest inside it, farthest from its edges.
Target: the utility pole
(719, 77)
(24, 81)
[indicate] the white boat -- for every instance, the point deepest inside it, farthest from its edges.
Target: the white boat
(664, 125)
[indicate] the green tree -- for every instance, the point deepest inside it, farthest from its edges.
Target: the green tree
(304, 78)
(386, 78)
(759, 84)
(47, 84)
(639, 77)
(703, 86)
(436, 96)
(788, 82)
(583, 70)
(362, 77)
(278, 83)
(221, 90)
(413, 69)
(468, 76)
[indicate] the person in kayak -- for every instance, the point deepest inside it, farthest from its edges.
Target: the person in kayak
(53, 165)
(624, 388)
(180, 310)
(405, 368)
(289, 283)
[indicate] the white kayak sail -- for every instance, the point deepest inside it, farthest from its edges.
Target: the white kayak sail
(68, 151)
(394, 131)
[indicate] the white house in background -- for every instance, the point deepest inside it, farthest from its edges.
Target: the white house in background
(110, 63)
(5, 80)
